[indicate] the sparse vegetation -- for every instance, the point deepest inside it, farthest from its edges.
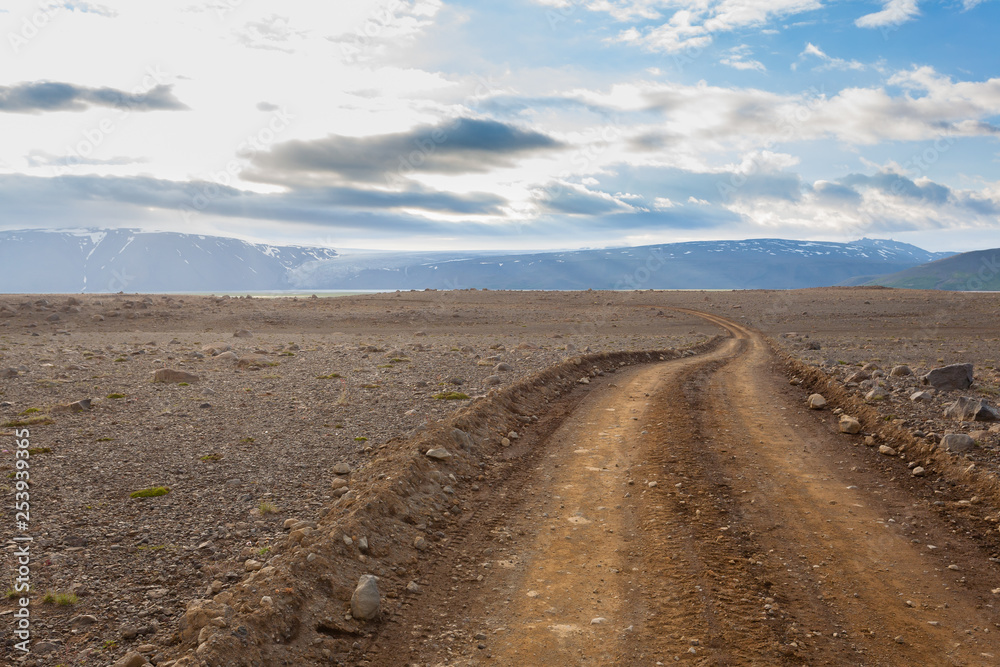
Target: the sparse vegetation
(29, 411)
(116, 395)
(105, 440)
(361, 438)
(210, 457)
(266, 508)
(331, 376)
(247, 440)
(40, 420)
(451, 396)
(39, 450)
(183, 384)
(150, 493)
(61, 599)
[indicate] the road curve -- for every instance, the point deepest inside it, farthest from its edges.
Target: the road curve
(693, 511)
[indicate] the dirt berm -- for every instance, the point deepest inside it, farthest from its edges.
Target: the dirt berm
(406, 506)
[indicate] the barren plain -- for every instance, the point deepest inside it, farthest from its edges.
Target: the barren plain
(628, 478)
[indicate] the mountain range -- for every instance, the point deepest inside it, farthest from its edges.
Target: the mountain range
(130, 260)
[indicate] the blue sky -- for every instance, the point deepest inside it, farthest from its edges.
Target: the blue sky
(425, 124)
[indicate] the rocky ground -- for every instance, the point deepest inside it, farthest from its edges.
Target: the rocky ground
(310, 384)
(307, 385)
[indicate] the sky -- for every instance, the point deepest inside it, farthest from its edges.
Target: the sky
(526, 124)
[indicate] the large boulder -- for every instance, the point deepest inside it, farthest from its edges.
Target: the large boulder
(957, 442)
(972, 410)
(950, 378)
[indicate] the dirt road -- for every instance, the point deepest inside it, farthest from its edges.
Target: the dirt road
(694, 511)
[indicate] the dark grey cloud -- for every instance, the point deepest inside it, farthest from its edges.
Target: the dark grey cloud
(837, 194)
(462, 146)
(191, 198)
(47, 96)
(899, 185)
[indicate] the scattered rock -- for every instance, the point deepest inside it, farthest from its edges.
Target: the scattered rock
(859, 376)
(342, 468)
(877, 394)
(420, 543)
(339, 482)
(886, 450)
(957, 442)
(438, 454)
(849, 425)
(501, 367)
(900, 371)
(816, 402)
(919, 471)
(972, 409)
(131, 659)
(950, 378)
(492, 380)
(9, 373)
(252, 565)
(922, 395)
(172, 375)
(243, 333)
(413, 587)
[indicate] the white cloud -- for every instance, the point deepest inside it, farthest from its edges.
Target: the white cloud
(894, 12)
(830, 62)
(694, 22)
(739, 58)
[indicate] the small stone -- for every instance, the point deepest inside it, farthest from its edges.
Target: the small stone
(598, 621)
(170, 375)
(348, 541)
(438, 454)
(342, 468)
(652, 485)
(420, 543)
(492, 380)
(131, 659)
(252, 565)
(886, 450)
(849, 425)
(363, 544)
(505, 442)
(413, 587)
(922, 396)
(82, 621)
(900, 371)
(954, 567)
(501, 367)
(243, 333)
(919, 471)
(584, 380)
(339, 483)
(877, 394)
(870, 440)
(816, 402)
(365, 601)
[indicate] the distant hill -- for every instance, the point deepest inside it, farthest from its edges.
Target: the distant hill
(970, 271)
(750, 264)
(130, 260)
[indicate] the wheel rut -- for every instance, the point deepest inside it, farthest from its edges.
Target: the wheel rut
(693, 511)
